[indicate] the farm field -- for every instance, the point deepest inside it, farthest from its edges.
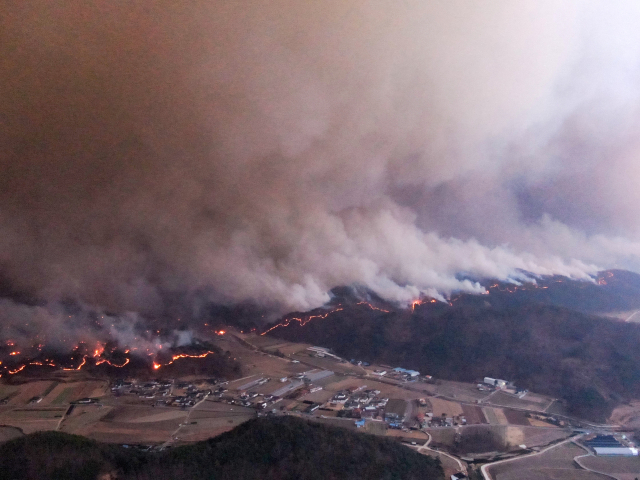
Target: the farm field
(555, 464)
(534, 437)
(474, 415)
(64, 393)
(27, 391)
(491, 416)
(515, 417)
(624, 468)
(464, 392)
(512, 434)
(7, 391)
(449, 409)
(529, 401)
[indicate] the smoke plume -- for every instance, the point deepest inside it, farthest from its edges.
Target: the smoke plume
(268, 151)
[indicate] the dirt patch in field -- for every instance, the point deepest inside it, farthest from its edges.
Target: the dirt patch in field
(490, 414)
(450, 409)
(500, 416)
(473, 414)
(539, 423)
(514, 436)
(515, 417)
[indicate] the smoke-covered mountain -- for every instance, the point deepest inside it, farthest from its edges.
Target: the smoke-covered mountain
(611, 291)
(528, 335)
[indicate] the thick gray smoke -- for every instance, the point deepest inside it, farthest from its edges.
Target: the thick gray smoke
(267, 151)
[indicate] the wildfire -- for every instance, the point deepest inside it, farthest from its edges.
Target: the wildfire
(304, 320)
(602, 280)
(84, 361)
(97, 356)
(19, 369)
(104, 360)
(372, 307)
(156, 365)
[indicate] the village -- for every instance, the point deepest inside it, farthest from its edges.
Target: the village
(461, 423)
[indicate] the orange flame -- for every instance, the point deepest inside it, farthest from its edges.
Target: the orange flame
(304, 320)
(156, 365)
(84, 360)
(19, 369)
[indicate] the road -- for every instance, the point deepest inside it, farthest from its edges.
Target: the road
(173, 437)
(421, 449)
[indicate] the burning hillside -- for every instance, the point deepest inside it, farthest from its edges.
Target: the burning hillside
(105, 358)
(608, 291)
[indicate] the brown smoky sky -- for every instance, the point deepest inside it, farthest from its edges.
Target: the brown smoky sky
(267, 151)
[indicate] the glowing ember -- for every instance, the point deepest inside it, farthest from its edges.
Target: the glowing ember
(14, 353)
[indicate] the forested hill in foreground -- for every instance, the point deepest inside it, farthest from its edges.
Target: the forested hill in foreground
(591, 362)
(277, 448)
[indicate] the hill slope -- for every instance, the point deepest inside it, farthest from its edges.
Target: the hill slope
(591, 362)
(276, 448)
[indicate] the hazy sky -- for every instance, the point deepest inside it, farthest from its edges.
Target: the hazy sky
(268, 151)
